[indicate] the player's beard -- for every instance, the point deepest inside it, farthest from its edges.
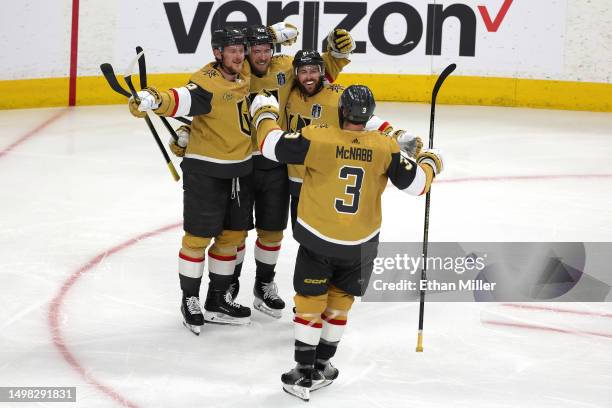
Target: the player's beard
(313, 90)
(259, 70)
(232, 68)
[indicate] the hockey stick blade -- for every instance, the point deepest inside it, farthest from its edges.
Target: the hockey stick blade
(111, 79)
(142, 67)
(434, 95)
(129, 71)
(447, 71)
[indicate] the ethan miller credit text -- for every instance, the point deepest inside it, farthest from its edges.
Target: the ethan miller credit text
(434, 285)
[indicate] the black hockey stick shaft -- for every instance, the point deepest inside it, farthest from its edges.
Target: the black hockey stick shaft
(434, 94)
(142, 69)
(128, 81)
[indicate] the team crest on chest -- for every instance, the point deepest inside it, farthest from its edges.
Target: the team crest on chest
(316, 111)
(281, 79)
(228, 96)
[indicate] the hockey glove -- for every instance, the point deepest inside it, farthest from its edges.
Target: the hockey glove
(283, 33)
(264, 106)
(432, 158)
(340, 44)
(150, 99)
(178, 147)
(410, 144)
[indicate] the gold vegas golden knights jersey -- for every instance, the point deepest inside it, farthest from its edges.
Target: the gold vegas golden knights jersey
(346, 174)
(279, 81)
(303, 110)
(220, 140)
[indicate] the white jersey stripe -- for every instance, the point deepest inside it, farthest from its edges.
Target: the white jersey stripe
(183, 101)
(418, 184)
(269, 144)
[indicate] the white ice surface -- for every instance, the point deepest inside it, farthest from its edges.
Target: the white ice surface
(94, 178)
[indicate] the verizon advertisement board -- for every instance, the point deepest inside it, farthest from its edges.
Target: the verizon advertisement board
(494, 38)
(485, 37)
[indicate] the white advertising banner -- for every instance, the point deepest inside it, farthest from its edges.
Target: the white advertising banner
(485, 37)
(489, 38)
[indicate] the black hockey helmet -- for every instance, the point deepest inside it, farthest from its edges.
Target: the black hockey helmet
(257, 34)
(225, 36)
(356, 105)
(307, 57)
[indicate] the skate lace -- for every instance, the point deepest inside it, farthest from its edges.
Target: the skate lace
(193, 305)
(270, 290)
(230, 301)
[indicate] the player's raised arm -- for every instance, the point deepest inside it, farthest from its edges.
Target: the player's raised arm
(408, 142)
(415, 176)
(187, 100)
(340, 45)
(274, 143)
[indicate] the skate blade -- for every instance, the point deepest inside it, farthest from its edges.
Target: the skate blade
(261, 306)
(320, 384)
(192, 328)
(302, 393)
(222, 318)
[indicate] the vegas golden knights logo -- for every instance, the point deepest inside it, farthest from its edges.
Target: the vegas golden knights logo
(297, 122)
(281, 79)
(244, 118)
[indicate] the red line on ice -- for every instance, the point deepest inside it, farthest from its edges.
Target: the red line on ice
(32, 132)
(55, 313)
(558, 310)
(546, 328)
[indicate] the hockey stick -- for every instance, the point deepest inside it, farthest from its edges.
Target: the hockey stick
(128, 80)
(111, 79)
(142, 68)
(447, 71)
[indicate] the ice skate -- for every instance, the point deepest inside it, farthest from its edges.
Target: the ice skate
(300, 380)
(220, 308)
(192, 314)
(267, 300)
(328, 373)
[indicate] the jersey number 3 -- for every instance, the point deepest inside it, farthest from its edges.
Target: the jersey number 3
(354, 189)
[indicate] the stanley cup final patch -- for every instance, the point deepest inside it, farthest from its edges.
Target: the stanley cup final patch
(316, 111)
(281, 78)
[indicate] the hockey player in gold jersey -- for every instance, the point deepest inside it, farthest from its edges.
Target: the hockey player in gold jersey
(347, 169)
(312, 101)
(275, 74)
(217, 166)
